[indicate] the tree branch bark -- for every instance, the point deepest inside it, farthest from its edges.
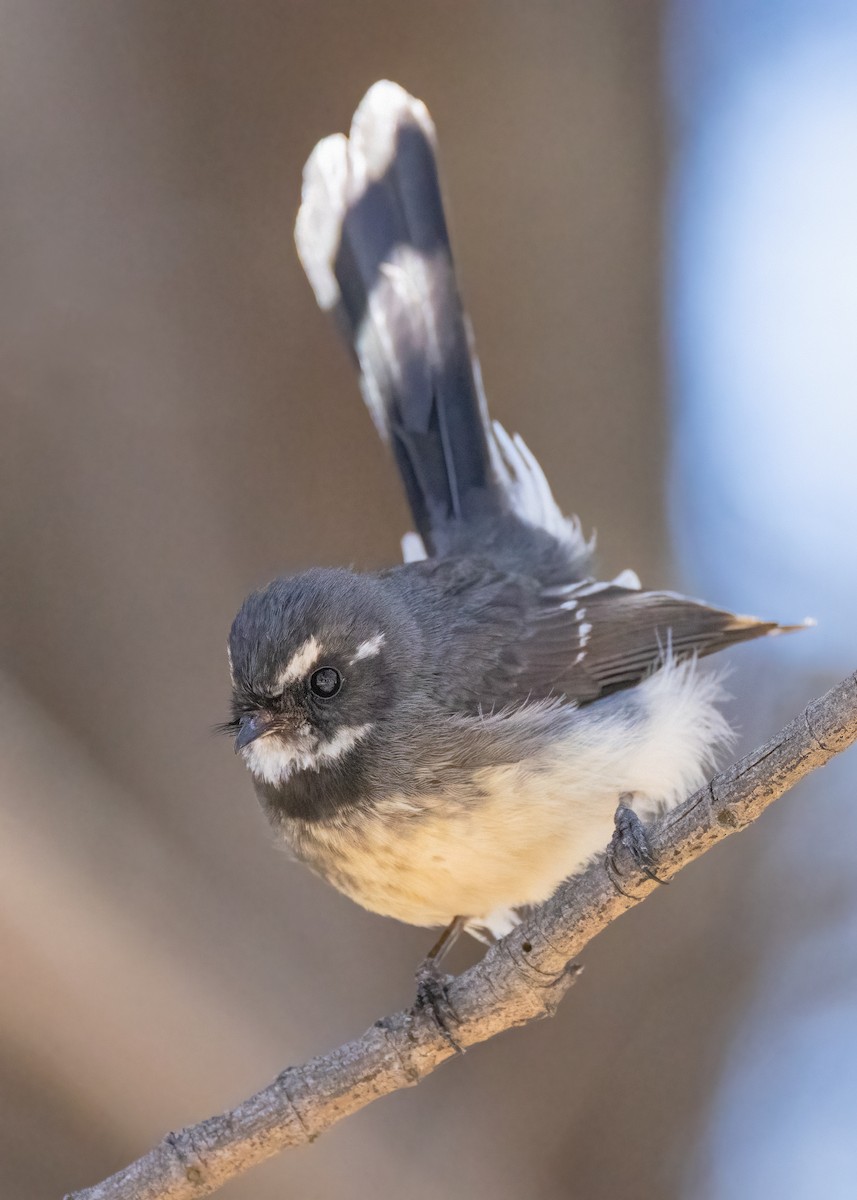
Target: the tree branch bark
(522, 977)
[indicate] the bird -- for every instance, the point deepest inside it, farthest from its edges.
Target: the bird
(447, 740)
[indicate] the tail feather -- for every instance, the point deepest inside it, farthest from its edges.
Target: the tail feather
(372, 237)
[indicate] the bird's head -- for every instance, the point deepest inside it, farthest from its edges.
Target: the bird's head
(311, 659)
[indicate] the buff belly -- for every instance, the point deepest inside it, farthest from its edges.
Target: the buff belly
(517, 835)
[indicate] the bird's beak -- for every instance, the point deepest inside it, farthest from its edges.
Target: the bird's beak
(252, 727)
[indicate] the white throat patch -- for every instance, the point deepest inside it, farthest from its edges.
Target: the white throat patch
(274, 761)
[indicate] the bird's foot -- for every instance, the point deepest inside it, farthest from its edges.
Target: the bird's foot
(630, 841)
(433, 998)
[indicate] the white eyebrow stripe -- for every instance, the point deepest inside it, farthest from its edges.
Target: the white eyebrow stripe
(305, 657)
(368, 649)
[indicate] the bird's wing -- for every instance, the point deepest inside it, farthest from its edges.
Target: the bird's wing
(600, 638)
(505, 639)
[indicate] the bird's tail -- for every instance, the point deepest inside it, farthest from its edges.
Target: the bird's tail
(372, 237)
(371, 234)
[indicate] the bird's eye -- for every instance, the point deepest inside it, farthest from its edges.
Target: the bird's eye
(325, 682)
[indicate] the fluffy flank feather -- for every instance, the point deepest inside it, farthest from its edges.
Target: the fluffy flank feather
(684, 733)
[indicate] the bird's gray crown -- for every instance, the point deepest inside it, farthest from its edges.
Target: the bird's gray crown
(295, 623)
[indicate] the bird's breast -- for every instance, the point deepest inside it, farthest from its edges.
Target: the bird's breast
(504, 837)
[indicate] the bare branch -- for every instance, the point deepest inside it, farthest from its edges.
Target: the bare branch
(522, 977)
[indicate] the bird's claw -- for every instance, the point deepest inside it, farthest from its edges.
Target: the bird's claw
(630, 840)
(433, 998)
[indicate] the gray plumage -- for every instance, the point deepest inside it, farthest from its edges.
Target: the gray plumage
(473, 751)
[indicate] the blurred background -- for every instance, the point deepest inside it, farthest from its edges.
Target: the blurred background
(655, 215)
